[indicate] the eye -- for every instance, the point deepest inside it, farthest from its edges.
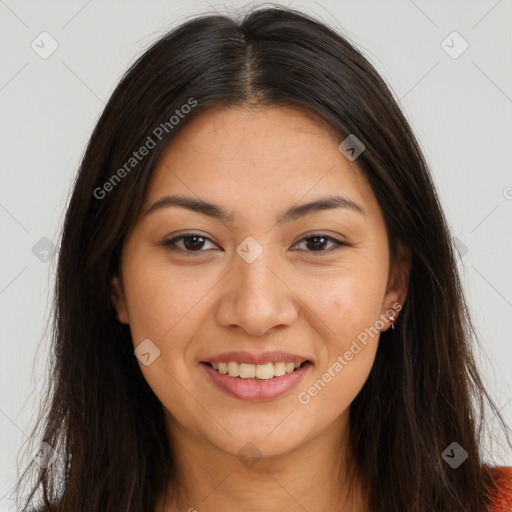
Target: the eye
(317, 242)
(195, 242)
(189, 242)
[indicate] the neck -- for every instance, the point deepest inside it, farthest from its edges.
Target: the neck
(312, 477)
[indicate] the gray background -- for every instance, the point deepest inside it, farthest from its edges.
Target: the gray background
(460, 109)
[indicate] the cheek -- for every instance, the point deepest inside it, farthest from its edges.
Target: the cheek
(347, 354)
(164, 306)
(348, 303)
(163, 299)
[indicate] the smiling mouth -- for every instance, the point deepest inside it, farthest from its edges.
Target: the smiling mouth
(256, 371)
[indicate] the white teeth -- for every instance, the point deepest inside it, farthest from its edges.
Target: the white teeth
(279, 369)
(233, 369)
(247, 371)
(259, 371)
(265, 371)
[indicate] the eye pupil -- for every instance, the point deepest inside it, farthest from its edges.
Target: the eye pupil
(316, 240)
(195, 244)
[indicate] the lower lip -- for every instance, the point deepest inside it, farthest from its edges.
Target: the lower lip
(254, 390)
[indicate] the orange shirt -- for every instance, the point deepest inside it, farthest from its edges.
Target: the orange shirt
(501, 500)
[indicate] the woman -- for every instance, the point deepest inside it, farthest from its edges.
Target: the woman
(258, 306)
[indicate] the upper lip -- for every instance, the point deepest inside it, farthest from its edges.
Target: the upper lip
(259, 358)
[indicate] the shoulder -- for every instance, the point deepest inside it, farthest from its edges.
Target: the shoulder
(501, 498)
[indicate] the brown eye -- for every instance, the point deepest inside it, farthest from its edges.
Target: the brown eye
(192, 242)
(319, 243)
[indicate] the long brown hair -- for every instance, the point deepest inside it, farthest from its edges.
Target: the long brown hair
(424, 391)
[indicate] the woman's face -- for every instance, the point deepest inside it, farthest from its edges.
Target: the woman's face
(254, 284)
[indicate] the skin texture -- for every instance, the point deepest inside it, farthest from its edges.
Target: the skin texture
(304, 298)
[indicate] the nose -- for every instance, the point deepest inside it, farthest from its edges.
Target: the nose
(256, 297)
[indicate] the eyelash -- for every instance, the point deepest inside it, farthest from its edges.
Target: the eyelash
(171, 244)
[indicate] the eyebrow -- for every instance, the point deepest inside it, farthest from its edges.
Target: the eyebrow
(218, 212)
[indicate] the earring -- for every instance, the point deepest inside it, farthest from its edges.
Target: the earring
(392, 319)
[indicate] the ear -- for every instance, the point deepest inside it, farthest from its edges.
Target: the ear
(398, 282)
(118, 299)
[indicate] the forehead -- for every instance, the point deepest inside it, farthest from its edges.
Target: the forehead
(275, 155)
(272, 131)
